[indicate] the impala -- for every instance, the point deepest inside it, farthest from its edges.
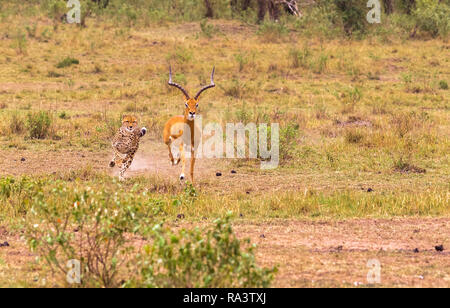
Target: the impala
(183, 127)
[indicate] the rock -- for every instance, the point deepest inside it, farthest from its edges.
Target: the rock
(416, 250)
(233, 172)
(369, 189)
(180, 216)
(218, 174)
(262, 236)
(439, 248)
(22, 159)
(5, 244)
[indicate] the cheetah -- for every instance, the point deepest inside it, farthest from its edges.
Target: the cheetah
(126, 143)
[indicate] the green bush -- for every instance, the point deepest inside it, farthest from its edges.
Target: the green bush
(443, 85)
(353, 16)
(67, 62)
(208, 30)
(322, 19)
(433, 17)
(300, 58)
(38, 124)
(353, 136)
(288, 140)
(98, 228)
(88, 226)
(214, 258)
(16, 125)
(272, 32)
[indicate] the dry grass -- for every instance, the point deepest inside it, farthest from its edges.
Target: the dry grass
(357, 108)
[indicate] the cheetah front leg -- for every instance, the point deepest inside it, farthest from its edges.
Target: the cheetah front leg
(125, 165)
(117, 159)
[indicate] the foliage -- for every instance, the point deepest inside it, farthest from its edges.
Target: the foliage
(288, 140)
(194, 258)
(353, 16)
(16, 125)
(90, 228)
(272, 32)
(433, 17)
(66, 62)
(98, 227)
(38, 124)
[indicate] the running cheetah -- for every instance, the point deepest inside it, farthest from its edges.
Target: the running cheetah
(126, 143)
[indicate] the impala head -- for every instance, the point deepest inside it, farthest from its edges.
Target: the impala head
(191, 104)
(129, 122)
(191, 108)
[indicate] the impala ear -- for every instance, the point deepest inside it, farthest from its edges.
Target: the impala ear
(186, 104)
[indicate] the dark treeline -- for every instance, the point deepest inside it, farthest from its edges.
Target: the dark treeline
(411, 17)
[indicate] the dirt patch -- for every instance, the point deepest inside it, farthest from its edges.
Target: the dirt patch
(408, 168)
(312, 253)
(316, 254)
(354, 121)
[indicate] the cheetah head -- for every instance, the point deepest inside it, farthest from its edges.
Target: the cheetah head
(130, 123)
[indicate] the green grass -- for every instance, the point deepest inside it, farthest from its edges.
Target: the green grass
(354, 114)
(18, 194)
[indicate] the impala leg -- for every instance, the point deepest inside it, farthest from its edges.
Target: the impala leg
(183, 162)
(170, 154)
(192, 165)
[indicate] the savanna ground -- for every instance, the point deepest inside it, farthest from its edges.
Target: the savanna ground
(364, 171)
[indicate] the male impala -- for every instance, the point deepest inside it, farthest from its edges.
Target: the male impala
(183, 126)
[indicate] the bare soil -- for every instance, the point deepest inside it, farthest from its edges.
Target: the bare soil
(313, 253)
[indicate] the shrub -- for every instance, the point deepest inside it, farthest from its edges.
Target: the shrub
(90, 227)
(38, 124)
(288, 140)
(350, 98)
(353, 15)
(443, 85)
(320, 20)
(272, 32)
(62, 115)
(21, 42)
(67, 62)
(403, 166)
(403, 123)
(53, 74)
(242, 59)
(213, 258)
(208, 30)
(433, 17)
(235, 88)
(16, 125)
(353, 136)
(97, 227)
(300, 58)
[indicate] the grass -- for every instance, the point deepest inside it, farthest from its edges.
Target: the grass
(355, 115)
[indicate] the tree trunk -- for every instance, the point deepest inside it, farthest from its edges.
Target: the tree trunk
(209, 9)
(388, 7)
(410, 5)
(246, 4)
(262, 8)
(274, 10)
(103, 3)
